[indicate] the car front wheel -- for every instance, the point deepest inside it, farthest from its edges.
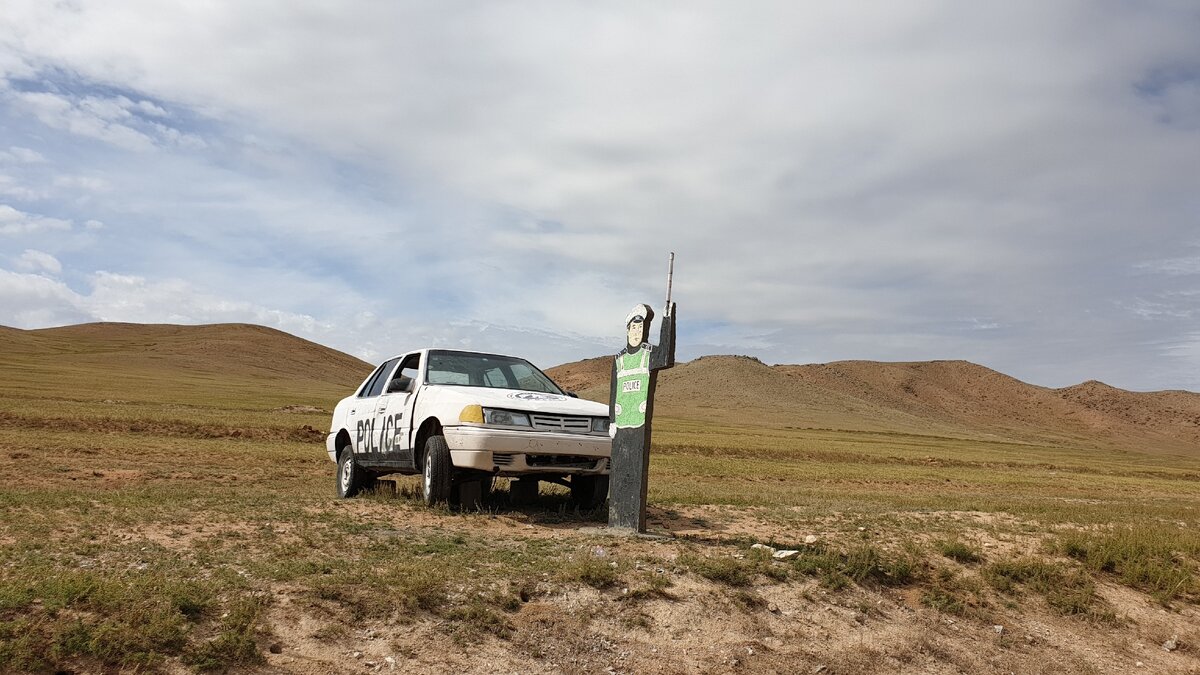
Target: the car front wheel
(350, 476)
(435, 475)
(589, 492)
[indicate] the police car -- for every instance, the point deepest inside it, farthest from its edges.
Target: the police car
(461, 418)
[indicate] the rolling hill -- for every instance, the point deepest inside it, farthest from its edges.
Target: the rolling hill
(144, 362)
(956, 398)
(257, 366)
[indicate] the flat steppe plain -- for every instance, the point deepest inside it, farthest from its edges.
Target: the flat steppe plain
(166, 505)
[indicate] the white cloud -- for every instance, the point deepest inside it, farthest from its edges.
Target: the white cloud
(83, 119)
(92, 184)
(39, 261)
(10, 186)
(32, 300)
(13, 221)
(1187, 352)
(21, 155)
(1172, 266)
(35, 301)
(1150, 309)
(122, 297)
(115, 120)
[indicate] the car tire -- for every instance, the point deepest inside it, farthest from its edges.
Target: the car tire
(467, 495)
(589, 492)
(350, 477)
(435, 474)
(523, 491)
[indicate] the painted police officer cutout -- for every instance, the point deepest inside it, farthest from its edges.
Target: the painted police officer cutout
(631, 403)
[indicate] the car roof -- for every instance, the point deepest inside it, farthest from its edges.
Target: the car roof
(452, 349)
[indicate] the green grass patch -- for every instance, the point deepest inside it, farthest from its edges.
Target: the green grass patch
(595, 572)
(1159, 560)
(234, 644)
(723, 569)
(650, 586)
(1071, 592)
(477, 618)
(864, 564)
(959, 551)
(947, 591)
(125, 618)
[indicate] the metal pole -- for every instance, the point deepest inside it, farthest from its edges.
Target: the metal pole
(670, 274)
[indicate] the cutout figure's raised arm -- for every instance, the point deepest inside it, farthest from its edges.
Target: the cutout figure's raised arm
(663, 354)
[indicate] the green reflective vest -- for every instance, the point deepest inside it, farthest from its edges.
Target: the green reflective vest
(633, 387)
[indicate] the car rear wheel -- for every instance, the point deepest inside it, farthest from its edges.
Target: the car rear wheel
(589, 492)
(350, 476)
(435, 475)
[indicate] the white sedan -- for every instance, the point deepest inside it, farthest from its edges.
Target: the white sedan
(461, 418)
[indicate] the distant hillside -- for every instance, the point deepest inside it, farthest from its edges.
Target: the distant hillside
(588, 378)
(938, 397)
(259, 367)
(193, 363)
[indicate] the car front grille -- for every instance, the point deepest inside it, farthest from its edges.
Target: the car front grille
(579, 425)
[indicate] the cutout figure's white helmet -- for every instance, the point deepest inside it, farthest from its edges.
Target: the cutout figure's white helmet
(639, 312)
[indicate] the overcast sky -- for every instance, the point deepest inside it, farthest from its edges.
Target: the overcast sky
(1013, 183)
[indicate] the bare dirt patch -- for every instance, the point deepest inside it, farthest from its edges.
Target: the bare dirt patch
(303, 409)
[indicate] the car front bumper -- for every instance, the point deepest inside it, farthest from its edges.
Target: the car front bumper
(516, 453)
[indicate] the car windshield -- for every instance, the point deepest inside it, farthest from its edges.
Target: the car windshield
(487, 370)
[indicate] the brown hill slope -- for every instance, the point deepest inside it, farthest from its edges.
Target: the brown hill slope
(140, 361)
(741, 389)
(954, 392)
(966, 394)
(589, 377)
(937, 397)
(246, 349)
(1170, 414)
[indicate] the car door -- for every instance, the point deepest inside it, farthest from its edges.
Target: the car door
(393, 414)
(357, 411)
(362, 415)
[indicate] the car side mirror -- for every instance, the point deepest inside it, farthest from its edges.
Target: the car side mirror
(400, 384)
(572, 394)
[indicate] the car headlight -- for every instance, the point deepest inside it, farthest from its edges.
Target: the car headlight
(600, 425)
(506, 418)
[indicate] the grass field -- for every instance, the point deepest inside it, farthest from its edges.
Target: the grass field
(145, 526)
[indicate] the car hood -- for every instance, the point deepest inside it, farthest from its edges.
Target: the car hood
(512, 399)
